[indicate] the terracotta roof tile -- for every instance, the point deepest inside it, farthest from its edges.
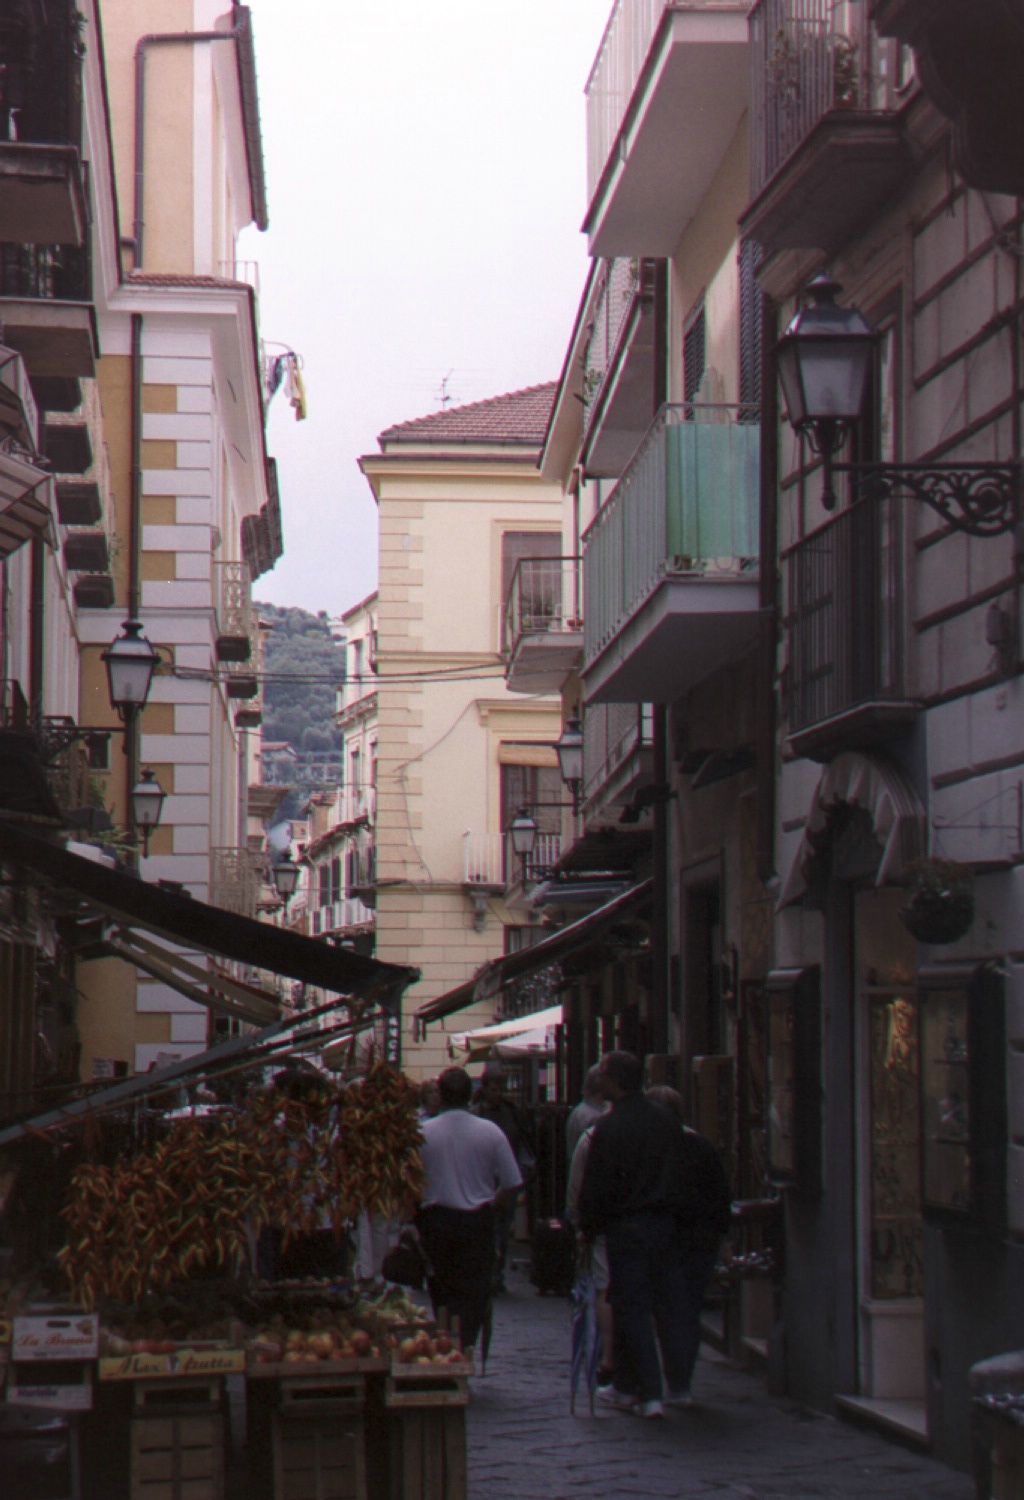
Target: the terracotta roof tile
(172, 278)
(519, 417)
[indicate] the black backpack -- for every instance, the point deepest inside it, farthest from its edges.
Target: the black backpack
(707, 1197)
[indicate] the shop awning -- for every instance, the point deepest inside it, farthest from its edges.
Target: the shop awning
(522, 1037)
(494, 976)
(881, 789)
(218, 992)
(198, 926)
(26, 506)
(271, 1046)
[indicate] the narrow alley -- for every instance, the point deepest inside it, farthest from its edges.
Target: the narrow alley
(738, 1443)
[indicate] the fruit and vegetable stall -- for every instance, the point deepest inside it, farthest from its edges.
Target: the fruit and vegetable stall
(163, 1337)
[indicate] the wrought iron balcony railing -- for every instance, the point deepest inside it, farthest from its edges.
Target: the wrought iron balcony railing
(50, 273)
(235, 877)
(620, 60)
(807, 58)
(236, 619)
(613, 733)
(845, 618)
(623, 283)
(543, 597)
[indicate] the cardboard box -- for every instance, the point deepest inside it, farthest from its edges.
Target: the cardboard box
(48, 1336)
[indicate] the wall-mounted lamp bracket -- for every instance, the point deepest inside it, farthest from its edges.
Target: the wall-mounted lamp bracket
(980, 499)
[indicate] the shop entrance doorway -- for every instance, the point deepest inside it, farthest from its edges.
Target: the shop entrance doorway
(887, 1154)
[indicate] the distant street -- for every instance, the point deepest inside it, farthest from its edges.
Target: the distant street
(738, 1444)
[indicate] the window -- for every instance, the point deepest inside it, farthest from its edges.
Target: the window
(540, 790)
(537, 787)
(694, 353)
(751, 330)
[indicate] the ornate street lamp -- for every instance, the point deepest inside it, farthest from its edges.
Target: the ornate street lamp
(569, 749)
(823, 361)
(130, 661)
(523, 832)
(285, 875)
(147, 805)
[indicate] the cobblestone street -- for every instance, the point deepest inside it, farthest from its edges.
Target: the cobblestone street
(739, 1443)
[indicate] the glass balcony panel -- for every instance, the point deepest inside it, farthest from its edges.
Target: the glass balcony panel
(686, 508)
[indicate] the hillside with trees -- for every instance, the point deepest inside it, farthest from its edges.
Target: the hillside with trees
(303, 666)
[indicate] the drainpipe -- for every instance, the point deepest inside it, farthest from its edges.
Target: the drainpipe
(132, 726)
(765, 705)
(662, 997)
(36, 642)
(158, 39)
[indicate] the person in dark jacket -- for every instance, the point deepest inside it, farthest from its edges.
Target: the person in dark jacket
(704, 1222)
(634, 1193)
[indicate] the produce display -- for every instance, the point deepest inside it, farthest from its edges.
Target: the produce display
(195, 1198)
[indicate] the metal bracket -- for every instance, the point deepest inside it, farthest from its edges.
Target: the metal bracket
(979, 499)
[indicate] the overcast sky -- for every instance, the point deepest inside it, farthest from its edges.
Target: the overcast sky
(426, 183)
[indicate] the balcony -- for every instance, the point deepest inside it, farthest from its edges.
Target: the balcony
(665, 97)
(356, 805)
(543, 634)
(827, 146)
(671, 561)
(618, 749)
(846, 683)
(86, 551)
(340, 918)
(618, 366)
(42, 200)
(236, 621)
(235, 876)
(489, 863)
(46, 308)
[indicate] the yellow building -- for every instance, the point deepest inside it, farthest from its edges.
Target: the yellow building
(461, 502)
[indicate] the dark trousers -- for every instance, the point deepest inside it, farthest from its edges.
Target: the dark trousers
(459, 1246)
(697, 1268)
(649, 1299)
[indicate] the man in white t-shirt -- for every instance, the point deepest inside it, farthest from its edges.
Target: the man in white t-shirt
(470, 1173)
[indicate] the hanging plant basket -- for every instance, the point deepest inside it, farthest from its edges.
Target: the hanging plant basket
(940, 908)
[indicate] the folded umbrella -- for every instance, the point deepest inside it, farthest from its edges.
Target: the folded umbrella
(586, 1342)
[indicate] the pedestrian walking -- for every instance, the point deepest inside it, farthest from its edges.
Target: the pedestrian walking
(492, 1103)
(704, 1221)
(470, 1175)
(589, 1110)
(632, 1192)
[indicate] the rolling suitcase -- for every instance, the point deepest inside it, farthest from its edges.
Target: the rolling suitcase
(553, 1257)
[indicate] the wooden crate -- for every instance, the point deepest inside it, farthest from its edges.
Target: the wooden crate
(177, 1440)
(419, 1386)
(319, 1457)
(428, 1453)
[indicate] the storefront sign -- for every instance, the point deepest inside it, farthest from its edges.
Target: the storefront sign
(52, 1397)
(73, 1336)
(183, 1361)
